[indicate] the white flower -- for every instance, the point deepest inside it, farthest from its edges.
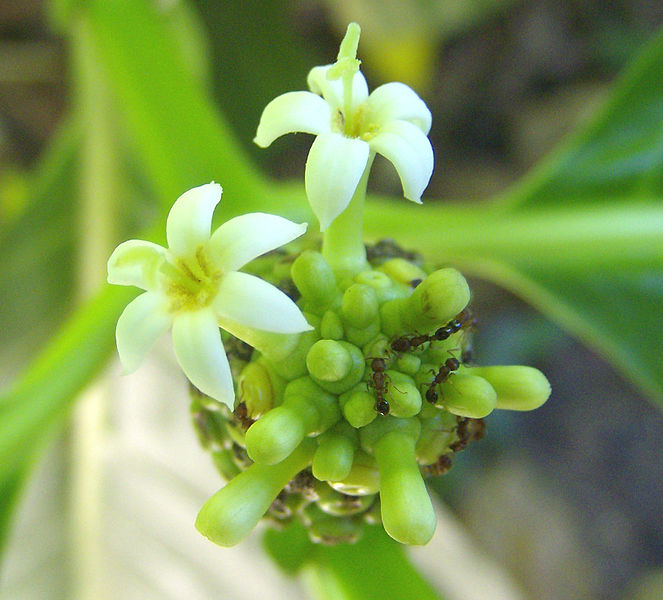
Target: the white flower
(194, 286)
(351, 126)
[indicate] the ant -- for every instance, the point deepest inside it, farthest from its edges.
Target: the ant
(440, 467)
(468, 430)
(379, 384)
(450, 365)
(408, 342)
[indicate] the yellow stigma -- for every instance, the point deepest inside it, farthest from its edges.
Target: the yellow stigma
(192, 283)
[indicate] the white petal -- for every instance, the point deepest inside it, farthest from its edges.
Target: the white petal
(254, 303)
(136, 262)
(334, 167)
(410, 152)
(332, 90)
(142, 322)
(398, 101)
(246, 237)
(291, 113)
(190, 219)
(199, 350)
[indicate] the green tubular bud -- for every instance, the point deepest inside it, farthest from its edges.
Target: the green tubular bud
(328, 360)
(332, 460)
(408, 363)
(468, 396)
(331, 327)
(293, 365)
(377, 347)
(436, 435)
(372, 433)
(406, 508)
(359, 337)
(275, 435)
(363, 479)
(404, 397)
(358, 406)
(225, 464)
(441, 296)
(340, 363)
(341, 505)
(517, 387)
(255, 389)
(315, 280)
(232, 513)
(402, 271)
(359, 306)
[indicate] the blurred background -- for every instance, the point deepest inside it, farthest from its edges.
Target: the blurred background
(568, 499)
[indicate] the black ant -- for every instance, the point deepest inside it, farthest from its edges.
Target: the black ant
(408, 342)
(379, 384)
(450, 365)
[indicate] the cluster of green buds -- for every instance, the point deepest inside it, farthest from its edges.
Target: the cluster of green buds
(340, 425)
(327, 381)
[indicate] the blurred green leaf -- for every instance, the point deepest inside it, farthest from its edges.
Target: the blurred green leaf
(375, 567)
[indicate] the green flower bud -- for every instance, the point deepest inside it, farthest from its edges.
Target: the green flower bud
(363, 479)
(408, 363)
(331, 327)
(441, 296)
(517, 387)
(361, 336)
(358, 406)
(383, 286)
(315, 280)
(360, 306)
(294, 364)
(468, 396)
(255, 389)
(275, 435)
(402, 271)
(230, 515)
(404, 397)
(407, 512)
(335, 366)
(332, 460)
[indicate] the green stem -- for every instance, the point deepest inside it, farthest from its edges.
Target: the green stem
(97, 192)
(343, 242)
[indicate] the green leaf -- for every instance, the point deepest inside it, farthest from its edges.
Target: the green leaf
(375, 567)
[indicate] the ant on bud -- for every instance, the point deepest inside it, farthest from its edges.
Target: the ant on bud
(462, 320)
(450, 365)
(379, 383)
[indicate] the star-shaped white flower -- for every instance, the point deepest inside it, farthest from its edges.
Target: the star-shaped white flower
(351, 126)
(194, 286)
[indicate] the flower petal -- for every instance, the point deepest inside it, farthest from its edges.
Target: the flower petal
(398, 101)
(136, 262)
(332, 89)
(410, 152)
(199, 350)
(190, 219)
(254, 303)
(291, 113)
(334, 167)
(246, 237)
(140, 324)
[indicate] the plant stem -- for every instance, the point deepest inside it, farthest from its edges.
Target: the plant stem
(96, 189)
(343, 241)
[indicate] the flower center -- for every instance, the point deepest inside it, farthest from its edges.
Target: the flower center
(191, 283)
